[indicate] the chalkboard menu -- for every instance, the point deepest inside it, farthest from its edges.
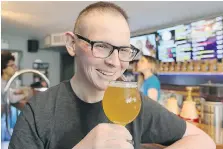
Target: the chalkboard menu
(195, 41)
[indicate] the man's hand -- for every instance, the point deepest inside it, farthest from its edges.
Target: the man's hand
(106, 136)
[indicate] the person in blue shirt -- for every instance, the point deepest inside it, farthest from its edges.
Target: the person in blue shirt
(149, 83)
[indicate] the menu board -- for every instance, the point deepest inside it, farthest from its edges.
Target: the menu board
(170, 42)
(146, 44)
(195, 41)
(207, 39)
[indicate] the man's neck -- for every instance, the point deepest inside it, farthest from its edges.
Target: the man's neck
(85, 92)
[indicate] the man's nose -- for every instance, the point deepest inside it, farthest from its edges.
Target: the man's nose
(113, 59)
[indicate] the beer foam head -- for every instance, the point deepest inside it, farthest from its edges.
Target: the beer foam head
(123, 84)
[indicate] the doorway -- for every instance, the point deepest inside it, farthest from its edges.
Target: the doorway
(67, 69)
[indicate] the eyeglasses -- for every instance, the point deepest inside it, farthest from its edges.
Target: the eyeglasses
(102, 49)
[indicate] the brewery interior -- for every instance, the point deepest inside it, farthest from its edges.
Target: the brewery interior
(186, 38)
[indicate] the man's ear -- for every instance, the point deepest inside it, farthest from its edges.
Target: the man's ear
(69, 39)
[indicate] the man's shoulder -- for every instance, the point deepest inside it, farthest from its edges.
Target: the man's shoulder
(150, 107)
(150, 110)
(48, 98)
(42, 108)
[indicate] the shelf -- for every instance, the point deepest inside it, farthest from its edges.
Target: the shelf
(184, 93)
(190, 73)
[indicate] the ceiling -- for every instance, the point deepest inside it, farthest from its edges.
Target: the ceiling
(38, 19)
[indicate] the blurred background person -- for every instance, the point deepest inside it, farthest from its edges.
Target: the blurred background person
(38, 87)
(148, 82)
(17, 97)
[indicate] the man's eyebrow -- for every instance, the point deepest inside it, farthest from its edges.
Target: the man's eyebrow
(107, 41)
(124, 45)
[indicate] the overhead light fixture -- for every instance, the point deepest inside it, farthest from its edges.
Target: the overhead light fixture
(22, 18)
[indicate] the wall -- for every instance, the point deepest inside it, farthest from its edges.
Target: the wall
(53, 58)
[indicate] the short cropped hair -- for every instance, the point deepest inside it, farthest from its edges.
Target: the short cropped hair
(99, 7)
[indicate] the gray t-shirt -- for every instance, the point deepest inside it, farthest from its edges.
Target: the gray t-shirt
(58, 119)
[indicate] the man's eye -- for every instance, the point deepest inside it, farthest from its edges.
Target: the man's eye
(101, 46)
(127, 50)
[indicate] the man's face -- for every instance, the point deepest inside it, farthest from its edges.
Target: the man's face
(10, 69)
(109, 28)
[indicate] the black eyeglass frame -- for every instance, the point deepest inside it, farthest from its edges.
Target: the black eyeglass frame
(135, 50)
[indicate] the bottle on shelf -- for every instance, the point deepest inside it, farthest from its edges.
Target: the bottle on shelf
(172, 67)
(190, 66)
(184, 66)
(166, 67)
(197, 66)
(212, 65)
(204, 66)
(178, 67)
(220, 67)
(161, 67)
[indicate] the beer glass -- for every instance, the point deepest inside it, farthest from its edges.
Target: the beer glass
(121, 102)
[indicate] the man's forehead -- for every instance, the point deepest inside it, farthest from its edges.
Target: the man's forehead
(100, 20)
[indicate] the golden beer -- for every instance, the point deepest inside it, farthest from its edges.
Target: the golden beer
(121, 102)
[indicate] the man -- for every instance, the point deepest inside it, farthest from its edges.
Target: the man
(70, 115)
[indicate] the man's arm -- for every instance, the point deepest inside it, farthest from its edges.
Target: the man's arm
(165, 128)
(194, 138)
(25, 135)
